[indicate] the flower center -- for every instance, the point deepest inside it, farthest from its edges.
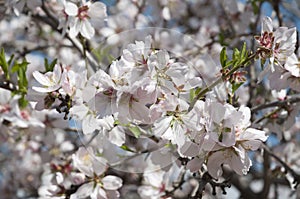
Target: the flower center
(25, 115)
(267, 40)
(83, 12)
(4, 108)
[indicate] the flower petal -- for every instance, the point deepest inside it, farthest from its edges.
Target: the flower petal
(83, 191)
(97, 10)
(112, 182)
(71, 9)
(87, 29)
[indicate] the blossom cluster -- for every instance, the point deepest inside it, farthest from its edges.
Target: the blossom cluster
(147, 93)
(128, 111)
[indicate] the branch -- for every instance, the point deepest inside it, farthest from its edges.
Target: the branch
(266, 176)
(285, 165)
(53, 22)
(279, 103)
(219, 80)
(242, 185)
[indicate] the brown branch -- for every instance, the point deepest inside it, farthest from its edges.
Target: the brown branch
(266, 176)
(243, 187)
(285, 165)
(279, 103)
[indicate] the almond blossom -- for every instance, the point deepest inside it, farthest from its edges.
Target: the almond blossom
(50, 81)
(82, 17)
(277, 45)
(234, 152)
(94, 167)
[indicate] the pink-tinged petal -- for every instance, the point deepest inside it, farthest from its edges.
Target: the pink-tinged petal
(99, 193)
(253, 134)
(77, 178)
(195, 164)
(112, 182)
(189, 149)
(240, 163)
(162, 58)
(87, 29)
(139, 112)
(117, 136)
(79, 111)
(251, 144)
(97, 10)
(155, 178)
(71, 9)
(84, 191)
(228, 138)
(217, 112)
(89, 124)
(246, 114)
(99, 165)
(41, 78)
(162, 125)
(45, 89)
(214, 163)
(267, 25)
(147, 191)
(74, 30)
(5, 96)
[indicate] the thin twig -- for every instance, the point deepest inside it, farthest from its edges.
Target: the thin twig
(279, 103)
(284, 164)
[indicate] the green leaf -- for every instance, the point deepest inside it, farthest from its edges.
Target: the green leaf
(21, 69)
(23, 102)
(236, 57)
(223, 57)
(49, 67)
(255, 7)
(11, 59)
(235, 86)
(135, 130)
(244, 51)
(4, 65)
(126, 148)
(194, 92)
(262, 63)
(236, 54)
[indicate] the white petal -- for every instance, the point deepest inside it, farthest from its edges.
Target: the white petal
(74, 30)
(251, 144)
(195, 164)
(45, 90)
(99, 193)
(89, 124)
(57, 73)
(83, 191)
(79, 111)
(5, 96)
(267, 25)
(214, 164)
(71, 9)
(253, 134)
(87, 29)
(59, 178)
(112, 182)
(99, 165)
(117, 136)
(97, 10)
(41, 78)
